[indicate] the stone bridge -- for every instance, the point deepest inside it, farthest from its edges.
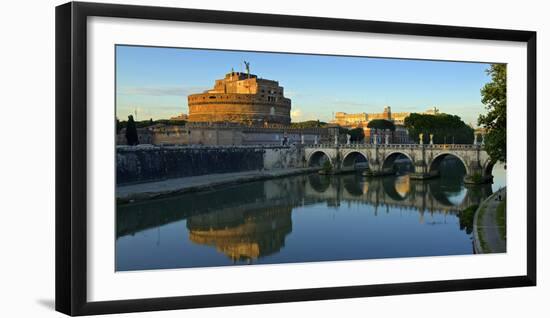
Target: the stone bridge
(379, 159)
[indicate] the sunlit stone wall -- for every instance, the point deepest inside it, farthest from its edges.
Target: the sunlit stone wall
(241, 98)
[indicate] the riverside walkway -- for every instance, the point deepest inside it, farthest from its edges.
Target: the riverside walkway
(489, 236)
(163, 188)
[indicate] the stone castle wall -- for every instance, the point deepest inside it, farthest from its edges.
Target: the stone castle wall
(238, 108)
(241, 98)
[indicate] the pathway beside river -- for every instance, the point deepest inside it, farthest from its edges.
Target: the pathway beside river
(163, 188)
(489, 235)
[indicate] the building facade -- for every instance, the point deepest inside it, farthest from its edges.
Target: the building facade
(399, 136)
(180, 117)
(241, 98)
(361, 120)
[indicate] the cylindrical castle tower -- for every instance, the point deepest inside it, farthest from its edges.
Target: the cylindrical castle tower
(241, 98)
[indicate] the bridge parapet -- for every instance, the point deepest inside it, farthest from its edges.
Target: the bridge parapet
(399, 146)
(426, 159)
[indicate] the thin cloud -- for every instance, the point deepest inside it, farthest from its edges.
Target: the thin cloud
(161, 90)
(354, 106)
(293, 94)
(296, 114)
(350, 103)
(146, 112)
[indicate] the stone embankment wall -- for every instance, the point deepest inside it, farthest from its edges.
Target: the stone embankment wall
(151, 163)
(283, 158)
(228, 135)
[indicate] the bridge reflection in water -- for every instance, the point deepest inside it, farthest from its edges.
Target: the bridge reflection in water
(296, 219)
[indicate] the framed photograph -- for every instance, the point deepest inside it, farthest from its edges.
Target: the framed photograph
(210, 158)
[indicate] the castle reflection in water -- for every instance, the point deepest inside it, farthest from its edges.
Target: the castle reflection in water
(250, 221)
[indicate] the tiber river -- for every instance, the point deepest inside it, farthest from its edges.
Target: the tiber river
(305, 218)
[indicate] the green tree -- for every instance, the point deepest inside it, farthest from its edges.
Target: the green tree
(308, 124)
(357, 135)
(381, 124)
(118, 125)
(493, 95)
(131, 132)
(343, 131)
(466, 219)
(327, 166)
(445, 128)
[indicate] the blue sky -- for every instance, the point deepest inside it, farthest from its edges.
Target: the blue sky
(156, 82)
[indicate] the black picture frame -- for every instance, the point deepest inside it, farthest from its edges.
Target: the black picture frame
(71, 157)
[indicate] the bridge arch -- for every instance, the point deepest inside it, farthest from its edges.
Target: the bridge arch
(436, 161)
(317, 158)
(443, 194)
(391, 157)
(354, 157)
(351, 186)
(319, 184)
(458, 198)
(398, 189)
(488, 167)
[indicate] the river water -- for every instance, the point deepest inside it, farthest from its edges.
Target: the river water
(303, 218)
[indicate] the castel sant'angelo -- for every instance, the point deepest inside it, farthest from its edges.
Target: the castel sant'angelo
(241, 98)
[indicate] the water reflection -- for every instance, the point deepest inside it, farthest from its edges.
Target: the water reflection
(441, 194)
(242, 235)
(289, 219)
